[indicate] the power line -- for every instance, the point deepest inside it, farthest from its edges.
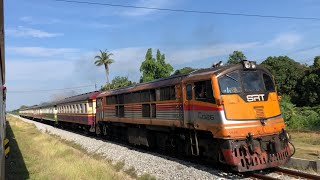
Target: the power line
(190, 11)
(304, 49)
(48, 90)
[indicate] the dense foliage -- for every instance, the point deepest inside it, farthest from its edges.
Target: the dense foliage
(287, 73)
(236, 57)
(118, 81)
(299, 86)
(154, 68)
(183, 70)
(300, 118)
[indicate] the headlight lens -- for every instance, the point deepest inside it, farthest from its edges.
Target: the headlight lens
(253, 65)
(247, 64)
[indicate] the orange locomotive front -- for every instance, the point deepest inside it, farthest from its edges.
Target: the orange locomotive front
(243, 115)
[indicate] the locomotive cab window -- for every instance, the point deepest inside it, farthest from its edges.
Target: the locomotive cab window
(203, 91)
(268, 82)
(189, 91)
(230, 83)
(252, 81)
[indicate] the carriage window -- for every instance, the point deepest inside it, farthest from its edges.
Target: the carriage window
(145, 110)
(167, 93)
(203, 91)
(145, 96)
(153, 110)
(230, 83)
(136, 97)
(152, 95)
(189, 91)
(111, 100)
(268, 82)
(120, 111)
(99, 101)
(76, 108)
(157, 94)
(85, 108)
(120, 99)
(80, 107)
(127, 98)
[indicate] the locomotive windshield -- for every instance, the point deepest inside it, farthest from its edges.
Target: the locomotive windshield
(245, 81)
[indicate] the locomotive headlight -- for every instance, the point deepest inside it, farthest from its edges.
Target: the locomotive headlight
(249, 64)
(253, 64)
(246, 64)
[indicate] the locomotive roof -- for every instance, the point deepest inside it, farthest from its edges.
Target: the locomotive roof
(168, 81)
(172, 80)
(80, 97)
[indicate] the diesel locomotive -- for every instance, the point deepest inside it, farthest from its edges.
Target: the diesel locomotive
(224, 114)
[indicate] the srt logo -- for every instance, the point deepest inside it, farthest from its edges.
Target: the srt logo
(255, 97)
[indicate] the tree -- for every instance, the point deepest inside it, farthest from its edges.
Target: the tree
(163, 69)
(316, 62)
(287, 73)
(104, 59)
(309, 88)
(118, 81)
(152, 68)
(183, 70)
(23, 106)
(236, 57)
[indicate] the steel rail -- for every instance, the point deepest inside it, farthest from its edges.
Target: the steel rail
(294, 173)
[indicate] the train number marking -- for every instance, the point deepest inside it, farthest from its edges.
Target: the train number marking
(255, 97)
(205, 116)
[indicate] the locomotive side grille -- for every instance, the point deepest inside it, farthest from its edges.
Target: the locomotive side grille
(259, 110)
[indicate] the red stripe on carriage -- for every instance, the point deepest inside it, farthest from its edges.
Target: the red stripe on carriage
(201, 108)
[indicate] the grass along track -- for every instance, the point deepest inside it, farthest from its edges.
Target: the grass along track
(36, 155)
(307, 144)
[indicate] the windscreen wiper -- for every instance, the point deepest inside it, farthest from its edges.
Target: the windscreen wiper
(232, 78)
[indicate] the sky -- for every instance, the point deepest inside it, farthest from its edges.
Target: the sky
(50, 45)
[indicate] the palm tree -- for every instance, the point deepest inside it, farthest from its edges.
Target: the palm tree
(104, 59)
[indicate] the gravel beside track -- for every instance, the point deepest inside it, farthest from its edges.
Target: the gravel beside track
(159, 166)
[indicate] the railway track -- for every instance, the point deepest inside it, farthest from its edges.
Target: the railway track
(283, 172)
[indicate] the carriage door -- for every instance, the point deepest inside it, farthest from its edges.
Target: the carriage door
(188, 105)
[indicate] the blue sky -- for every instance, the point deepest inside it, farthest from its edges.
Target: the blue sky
(51, 45)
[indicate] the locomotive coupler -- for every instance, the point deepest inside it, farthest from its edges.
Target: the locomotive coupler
(250, 143)
(284, 136)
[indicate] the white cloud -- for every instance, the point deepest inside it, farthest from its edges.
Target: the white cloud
(40, 70)
(33, 21)
(41, 51)
(286, 39)
(30, 32)
(146, 3)
(181, 56)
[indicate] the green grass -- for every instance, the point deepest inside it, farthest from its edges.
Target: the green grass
(36, 155)
(307, 144)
